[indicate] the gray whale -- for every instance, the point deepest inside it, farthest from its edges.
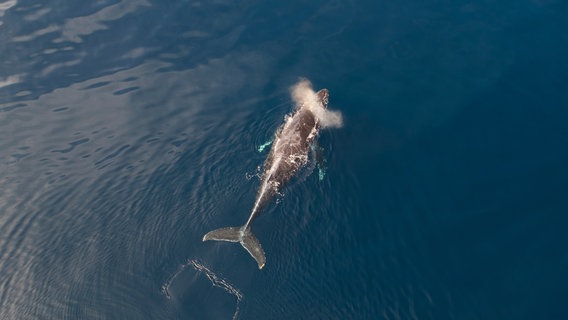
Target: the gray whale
(288, 154)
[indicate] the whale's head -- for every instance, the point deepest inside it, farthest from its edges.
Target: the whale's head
(316, 103)
(323, 96)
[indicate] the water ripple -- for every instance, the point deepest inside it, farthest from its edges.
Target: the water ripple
(82, 167)
(216, 281)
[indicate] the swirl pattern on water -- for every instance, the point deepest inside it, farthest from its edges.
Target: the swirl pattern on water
(216, 281)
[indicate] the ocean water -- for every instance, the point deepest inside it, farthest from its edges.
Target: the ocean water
(129, 129)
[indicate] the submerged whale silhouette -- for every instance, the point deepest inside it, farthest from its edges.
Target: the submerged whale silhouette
(288, 154)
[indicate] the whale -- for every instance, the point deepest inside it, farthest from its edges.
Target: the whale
(289, 153)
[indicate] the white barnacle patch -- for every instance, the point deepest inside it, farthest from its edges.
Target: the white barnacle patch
(274, 184)
(297, 159)
(295, 140)
(313, 133)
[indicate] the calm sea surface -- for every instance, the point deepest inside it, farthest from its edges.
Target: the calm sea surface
(129, 129)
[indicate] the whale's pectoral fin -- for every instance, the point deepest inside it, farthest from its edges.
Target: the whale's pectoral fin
(322, 168)
(318, 155)
(251, 244)
(242, 235)
(264, 145)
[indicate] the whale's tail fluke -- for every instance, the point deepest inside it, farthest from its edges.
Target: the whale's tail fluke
(244, 236)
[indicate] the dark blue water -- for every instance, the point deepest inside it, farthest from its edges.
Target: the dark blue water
(129, 129)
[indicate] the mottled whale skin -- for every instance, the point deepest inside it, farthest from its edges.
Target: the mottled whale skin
(288, 154)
